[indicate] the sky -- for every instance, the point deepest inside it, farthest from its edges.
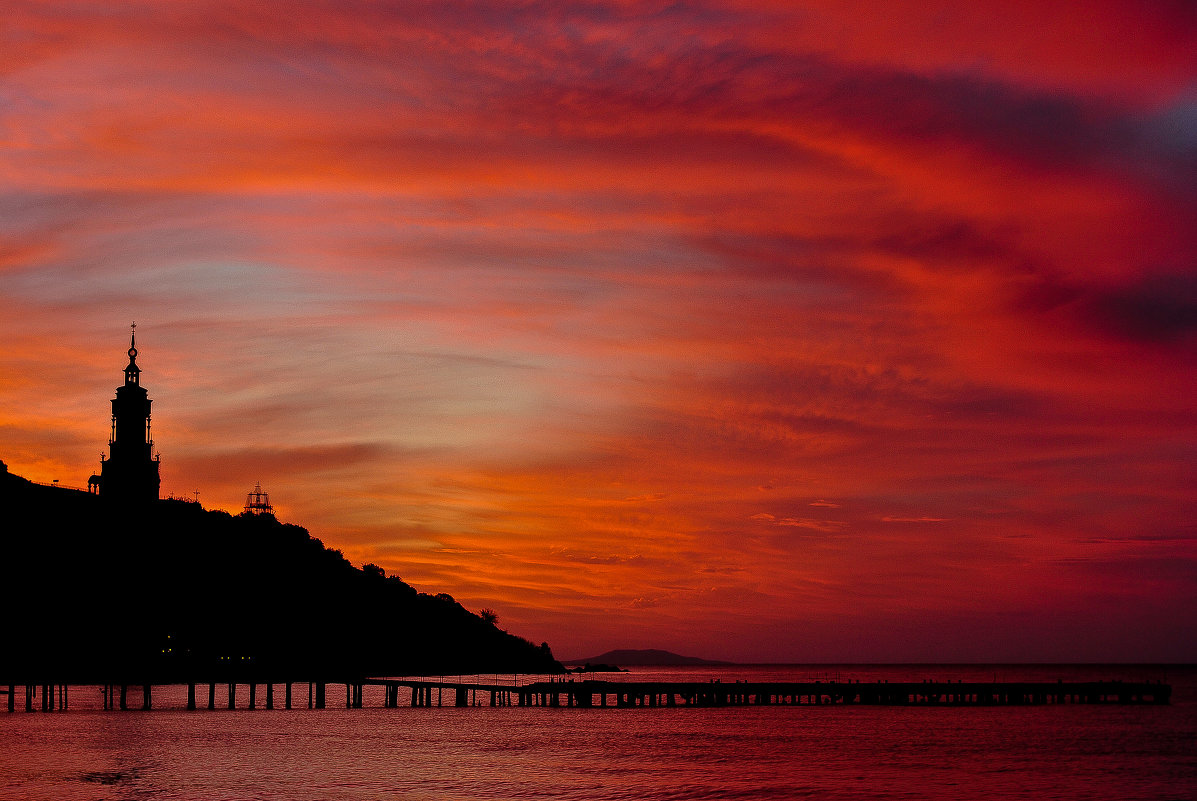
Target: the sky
(759, 331)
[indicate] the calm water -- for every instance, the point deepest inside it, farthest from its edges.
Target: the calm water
(825, 752)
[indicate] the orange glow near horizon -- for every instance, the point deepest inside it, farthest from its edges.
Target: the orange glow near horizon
(752, 330)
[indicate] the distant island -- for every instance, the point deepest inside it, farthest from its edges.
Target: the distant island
(164, 590)
(644, 657)
(597, 667)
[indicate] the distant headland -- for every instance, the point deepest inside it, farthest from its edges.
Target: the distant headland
(628, 657)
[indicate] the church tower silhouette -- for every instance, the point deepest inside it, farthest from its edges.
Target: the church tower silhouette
(131, 472)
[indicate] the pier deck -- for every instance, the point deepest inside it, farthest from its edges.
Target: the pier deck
(592, 693)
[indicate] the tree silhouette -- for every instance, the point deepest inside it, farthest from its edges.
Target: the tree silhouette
(187, 592)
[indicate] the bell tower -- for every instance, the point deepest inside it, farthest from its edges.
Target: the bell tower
(131, 471)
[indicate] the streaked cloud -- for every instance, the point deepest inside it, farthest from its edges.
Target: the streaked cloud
(646, 324)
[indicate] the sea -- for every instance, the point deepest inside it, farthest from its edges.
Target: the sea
(1072, 752)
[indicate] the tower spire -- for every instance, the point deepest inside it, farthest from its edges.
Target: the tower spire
(132, 372)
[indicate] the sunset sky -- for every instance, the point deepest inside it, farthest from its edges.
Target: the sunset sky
(764, 331)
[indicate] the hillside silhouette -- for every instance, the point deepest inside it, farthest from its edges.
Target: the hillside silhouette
(95, 589)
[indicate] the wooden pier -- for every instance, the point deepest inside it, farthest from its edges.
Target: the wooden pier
(623, 694)
(37, 696)
(589, 694)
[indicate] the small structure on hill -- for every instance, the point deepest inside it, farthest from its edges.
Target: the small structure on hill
(257, 502)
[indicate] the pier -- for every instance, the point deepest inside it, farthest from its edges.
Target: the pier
(591, 694)
(623, 694)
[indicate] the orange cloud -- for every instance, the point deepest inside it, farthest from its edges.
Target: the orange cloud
(592, 314)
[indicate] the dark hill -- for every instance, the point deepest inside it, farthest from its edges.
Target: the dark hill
(169, 591)
(641, 657)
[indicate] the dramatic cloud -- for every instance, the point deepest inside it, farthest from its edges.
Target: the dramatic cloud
(759, 330)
